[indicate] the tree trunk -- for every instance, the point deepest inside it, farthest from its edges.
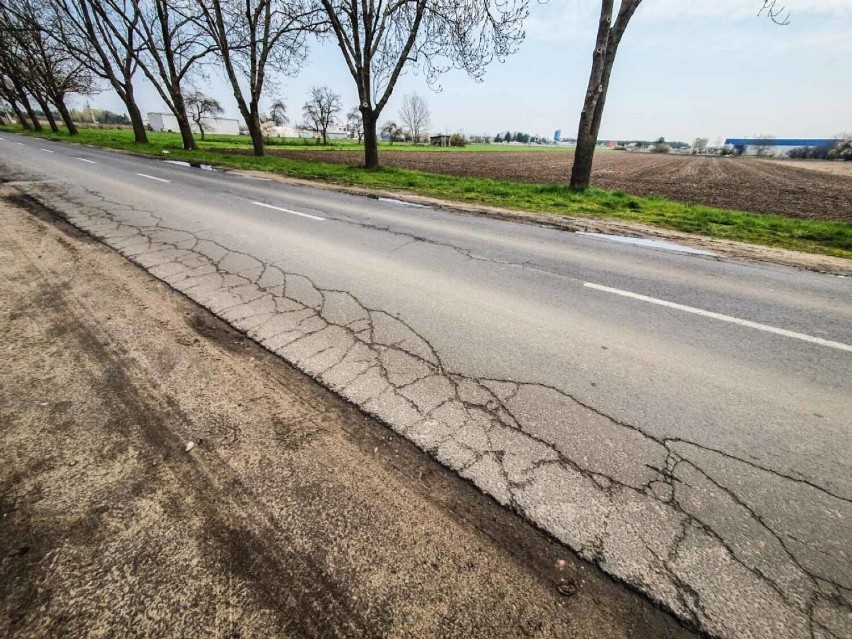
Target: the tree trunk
(371, 140)
(22, 118)
(606, 46)
(45, 106)
(66, 116)
(255, 131)
(32, 115)
(587, 133)
(186, 134)
(140, 135)
(183, 120)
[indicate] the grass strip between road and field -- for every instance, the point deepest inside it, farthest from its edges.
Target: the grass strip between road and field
(813, 236)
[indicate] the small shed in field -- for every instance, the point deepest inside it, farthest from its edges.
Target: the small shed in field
(440, 140)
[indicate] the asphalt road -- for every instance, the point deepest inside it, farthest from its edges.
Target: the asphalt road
(679, 419)
(292, 516)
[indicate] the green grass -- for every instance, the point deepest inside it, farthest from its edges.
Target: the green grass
(824, 237)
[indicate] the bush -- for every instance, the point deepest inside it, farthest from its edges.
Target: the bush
(810, 153)
(842, 150)
(458, 139)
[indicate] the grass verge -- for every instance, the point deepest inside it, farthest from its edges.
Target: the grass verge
(813, 236)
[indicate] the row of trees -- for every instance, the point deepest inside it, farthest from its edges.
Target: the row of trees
(73, 46)
(519, 136)
(52, 48)
(324, 107)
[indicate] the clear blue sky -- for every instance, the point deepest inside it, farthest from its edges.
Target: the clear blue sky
(685, 68)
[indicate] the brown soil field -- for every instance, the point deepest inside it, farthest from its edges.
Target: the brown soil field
(741, 184)
(825, 166)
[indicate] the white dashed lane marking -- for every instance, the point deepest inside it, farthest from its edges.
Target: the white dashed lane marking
(151, 177)
(291, 212)
(724, 318)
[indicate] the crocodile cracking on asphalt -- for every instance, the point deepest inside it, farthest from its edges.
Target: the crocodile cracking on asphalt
(685, 524)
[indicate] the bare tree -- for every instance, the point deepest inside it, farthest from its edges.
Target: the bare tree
(201, 107)
(11, 96)
(610, 33)
(278, 113)
(89, 30)
(661, 146)
(251, 38)
(52, 72)
(763, 145)
(170, 48)
(699, 145)
(355, 124)
(16, 82)
(392, 132)
(321, 110)
(414, 114)
(379, 39)
(22, 75)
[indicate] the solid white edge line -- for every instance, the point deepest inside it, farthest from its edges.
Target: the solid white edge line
(725, 318)
(46, 150)
(85, 160)
(278, 208)
(151, 177)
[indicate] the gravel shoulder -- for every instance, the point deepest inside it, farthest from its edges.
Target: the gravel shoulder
(292, 515)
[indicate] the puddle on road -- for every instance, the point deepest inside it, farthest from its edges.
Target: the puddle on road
(192, 165)
(649, 243)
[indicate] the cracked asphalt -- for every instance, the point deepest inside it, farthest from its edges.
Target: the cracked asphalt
(701, 460)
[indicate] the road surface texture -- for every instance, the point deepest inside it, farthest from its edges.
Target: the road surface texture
(293, 514)
(680, 420)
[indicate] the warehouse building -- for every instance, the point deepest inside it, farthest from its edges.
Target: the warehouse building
(776, 146)
(168, 122)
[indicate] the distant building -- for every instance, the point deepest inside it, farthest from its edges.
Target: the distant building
(440, 140)
(557, 137)
(334, 133)
(776, 146)
(168, 122)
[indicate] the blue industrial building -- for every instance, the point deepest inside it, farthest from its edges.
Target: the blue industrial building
(777, 146)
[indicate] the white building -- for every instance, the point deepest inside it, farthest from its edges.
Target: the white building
(168, 122)
(334, 133)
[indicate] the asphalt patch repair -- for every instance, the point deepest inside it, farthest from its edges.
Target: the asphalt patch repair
(293, 514)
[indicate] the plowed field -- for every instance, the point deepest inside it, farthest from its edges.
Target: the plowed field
(744, 184)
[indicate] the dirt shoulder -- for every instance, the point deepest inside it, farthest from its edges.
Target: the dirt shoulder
(292, 515)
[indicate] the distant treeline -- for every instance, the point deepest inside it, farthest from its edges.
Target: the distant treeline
(520, 136)
(647, 143)
(99, 116)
